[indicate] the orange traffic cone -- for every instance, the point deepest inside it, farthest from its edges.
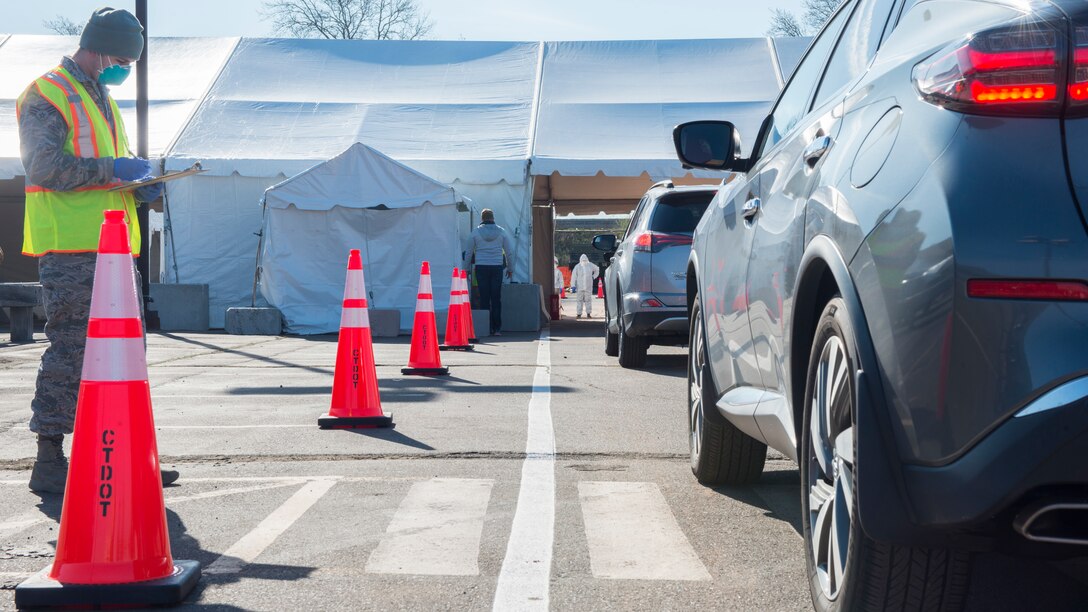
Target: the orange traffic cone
(600, 288)
(355, 399)
(456, 330)
(562, 293)
(466, 299)
(113, 547)
(423, 358)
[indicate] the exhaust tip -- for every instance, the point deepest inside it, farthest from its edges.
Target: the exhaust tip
(1057, 522)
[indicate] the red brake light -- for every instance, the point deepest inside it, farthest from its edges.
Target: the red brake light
(1028, 290)
(1018, 66)
(1078, 89)
(653, 242)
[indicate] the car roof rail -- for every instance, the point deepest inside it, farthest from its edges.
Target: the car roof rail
(667, 184)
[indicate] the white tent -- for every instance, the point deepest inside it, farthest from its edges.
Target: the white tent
(460, 112)
(610, 106)
(482, 117)
(397, 217)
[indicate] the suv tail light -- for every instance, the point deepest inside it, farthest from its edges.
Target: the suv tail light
(1018, 69)
(653, 242)
(1078, 89)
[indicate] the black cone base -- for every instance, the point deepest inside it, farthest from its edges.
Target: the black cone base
(459, 347)
(426, 371)
(330, 422)
(41, 591)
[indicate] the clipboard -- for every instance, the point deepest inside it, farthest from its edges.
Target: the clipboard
(151, 180)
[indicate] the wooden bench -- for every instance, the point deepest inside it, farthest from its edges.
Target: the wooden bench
(20, 300)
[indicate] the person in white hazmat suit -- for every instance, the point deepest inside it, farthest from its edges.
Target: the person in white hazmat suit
(558, 282)
(582, 277)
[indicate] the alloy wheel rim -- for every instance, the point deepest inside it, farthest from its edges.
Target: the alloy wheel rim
(695, 395)
(830, 481)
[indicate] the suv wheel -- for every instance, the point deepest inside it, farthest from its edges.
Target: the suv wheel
(631, 349)
(720, 453)
(611, 340)
(847, 570)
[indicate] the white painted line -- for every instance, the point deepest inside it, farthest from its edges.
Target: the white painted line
(285, 479)
(633, 534)
(436, 530)
(527, 568)
(310, 425)
(16, 524)
(255, 426)
(268, 486)
(246, 550)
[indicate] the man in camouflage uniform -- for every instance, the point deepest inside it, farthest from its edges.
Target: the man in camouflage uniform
(64, 189)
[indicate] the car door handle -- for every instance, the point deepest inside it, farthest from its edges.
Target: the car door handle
(751, 208)
(816, 149)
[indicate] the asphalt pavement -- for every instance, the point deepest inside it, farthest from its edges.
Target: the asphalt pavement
(539, 475)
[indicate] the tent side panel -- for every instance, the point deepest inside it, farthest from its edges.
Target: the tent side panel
(214, 221)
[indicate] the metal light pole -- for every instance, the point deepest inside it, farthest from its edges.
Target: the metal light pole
(143, 264)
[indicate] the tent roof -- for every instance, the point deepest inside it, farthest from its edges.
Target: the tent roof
(181, 71)
(475, 112)
(285, 101)
(611, 106)
(360, 177)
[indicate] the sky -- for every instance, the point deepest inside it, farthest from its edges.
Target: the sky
(453, 19)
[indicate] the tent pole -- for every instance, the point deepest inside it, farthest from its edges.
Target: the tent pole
(143, 263)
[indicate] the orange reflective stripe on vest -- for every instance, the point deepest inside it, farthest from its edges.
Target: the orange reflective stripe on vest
(69, 221)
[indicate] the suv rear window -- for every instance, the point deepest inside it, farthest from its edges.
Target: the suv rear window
(679, 213)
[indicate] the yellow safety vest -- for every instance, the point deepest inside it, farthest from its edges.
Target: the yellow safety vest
(70, 221)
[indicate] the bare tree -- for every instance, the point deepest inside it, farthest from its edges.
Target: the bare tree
(785, 23)
(370, 19)
(816, 14)
(63, 25)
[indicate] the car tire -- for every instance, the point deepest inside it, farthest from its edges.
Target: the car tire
(611, 342)
(860, 573)
(721, 454)
(631, 349)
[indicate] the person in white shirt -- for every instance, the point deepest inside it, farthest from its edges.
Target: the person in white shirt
(582, 277)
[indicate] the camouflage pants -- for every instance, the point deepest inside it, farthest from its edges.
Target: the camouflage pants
(67, 280)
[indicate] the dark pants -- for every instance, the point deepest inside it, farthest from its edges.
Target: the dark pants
(67, 281)
(489, 281)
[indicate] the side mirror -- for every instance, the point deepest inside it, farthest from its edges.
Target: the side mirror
(604, 242)
(711, 145)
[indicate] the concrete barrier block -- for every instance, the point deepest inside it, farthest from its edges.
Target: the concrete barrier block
(254, 321)
(481, 322)
(181, 307)
(522, 305)
(384, 322)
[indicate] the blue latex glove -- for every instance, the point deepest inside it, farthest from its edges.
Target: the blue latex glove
(131, 168)
(149, 193)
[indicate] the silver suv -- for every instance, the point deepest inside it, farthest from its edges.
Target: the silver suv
(645, 287)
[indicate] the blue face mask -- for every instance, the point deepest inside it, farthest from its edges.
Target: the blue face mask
(114, 75)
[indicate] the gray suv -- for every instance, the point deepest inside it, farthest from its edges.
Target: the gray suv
(893, 292)
(645, 286)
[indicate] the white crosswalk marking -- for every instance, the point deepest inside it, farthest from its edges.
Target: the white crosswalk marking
(246, 550)
(436, 530)
(633, 534)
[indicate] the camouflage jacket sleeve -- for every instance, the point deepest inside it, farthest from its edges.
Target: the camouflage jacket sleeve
(42, 134)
